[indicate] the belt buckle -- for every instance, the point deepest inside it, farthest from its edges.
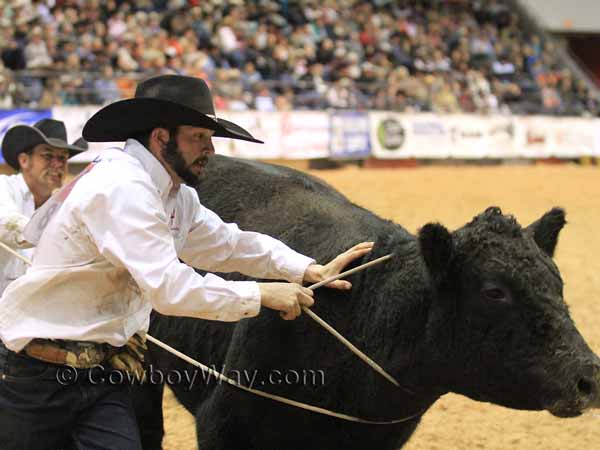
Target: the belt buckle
(84, 355)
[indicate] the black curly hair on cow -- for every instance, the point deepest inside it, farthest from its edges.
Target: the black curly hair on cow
(493, 220)
(486, 231)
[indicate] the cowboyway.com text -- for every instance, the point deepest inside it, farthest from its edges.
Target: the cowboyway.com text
(190, 378)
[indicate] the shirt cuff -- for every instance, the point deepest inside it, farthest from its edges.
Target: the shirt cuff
(296, 267)
(249, 304)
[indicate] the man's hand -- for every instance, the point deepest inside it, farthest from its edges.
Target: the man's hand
(286, 298)
(316, 272)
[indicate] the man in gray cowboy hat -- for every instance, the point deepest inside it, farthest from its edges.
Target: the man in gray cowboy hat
(109, 246)
(39, 153)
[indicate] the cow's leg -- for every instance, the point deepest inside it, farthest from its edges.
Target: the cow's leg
(218, 427)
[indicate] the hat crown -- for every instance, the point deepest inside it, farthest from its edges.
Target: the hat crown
(187, 91)
(52, 128)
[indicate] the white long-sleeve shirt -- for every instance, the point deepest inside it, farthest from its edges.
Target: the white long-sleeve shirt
(16, 208)
(109, 254)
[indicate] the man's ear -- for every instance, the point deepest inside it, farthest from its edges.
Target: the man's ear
(23, 158)
(435, 242)
(160, 136)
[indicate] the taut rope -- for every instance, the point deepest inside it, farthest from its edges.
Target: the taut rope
(321, 322)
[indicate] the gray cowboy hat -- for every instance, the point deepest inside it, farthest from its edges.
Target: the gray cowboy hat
(22, 138)
(163, 101)
(81, 142)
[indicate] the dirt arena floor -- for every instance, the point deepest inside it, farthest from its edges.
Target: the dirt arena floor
(453, 195)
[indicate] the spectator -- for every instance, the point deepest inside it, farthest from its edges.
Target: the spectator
(264, 100)
(443, 98)
(105, 87)
(478, 48)
(503, 68)
(36, 51)
(7, 91)
(250, 76)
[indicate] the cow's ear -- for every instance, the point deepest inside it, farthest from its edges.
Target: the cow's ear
(545, 230)
(435, 242)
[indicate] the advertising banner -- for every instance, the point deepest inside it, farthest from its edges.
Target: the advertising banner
(349, 137)
(358, 135)
(388, 136)
(532, 137)
(468, 136)
(500, 137)
(427, 136)
(265, 126)
(572, 138)
(304, 134)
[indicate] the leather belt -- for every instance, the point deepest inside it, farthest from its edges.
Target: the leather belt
(78, 354)
(86, 355)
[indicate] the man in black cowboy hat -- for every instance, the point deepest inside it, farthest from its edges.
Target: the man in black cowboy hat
(39, 153)
(109, 246)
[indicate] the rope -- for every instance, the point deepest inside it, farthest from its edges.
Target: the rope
(278, 398)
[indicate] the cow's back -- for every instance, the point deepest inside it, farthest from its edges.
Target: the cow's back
(295, 207)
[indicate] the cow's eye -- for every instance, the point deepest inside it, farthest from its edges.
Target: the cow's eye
(495, 294)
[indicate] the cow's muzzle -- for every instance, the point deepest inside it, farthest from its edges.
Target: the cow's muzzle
(580, 393)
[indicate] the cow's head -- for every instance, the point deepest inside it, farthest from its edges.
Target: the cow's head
(500, 309)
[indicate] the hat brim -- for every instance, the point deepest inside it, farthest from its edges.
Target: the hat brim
(124, 119)
(21, 138)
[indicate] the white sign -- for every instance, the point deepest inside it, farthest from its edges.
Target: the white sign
(265, 126)
(305, 135)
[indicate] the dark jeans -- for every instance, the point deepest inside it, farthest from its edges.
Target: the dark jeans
(46, 406)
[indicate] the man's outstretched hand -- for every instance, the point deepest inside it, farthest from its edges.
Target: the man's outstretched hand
(317, 272)
(288, 298)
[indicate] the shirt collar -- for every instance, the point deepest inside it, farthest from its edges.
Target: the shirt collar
(155, 169)
(23, 188)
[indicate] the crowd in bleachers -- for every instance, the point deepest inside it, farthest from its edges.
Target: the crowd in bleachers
(412, 55)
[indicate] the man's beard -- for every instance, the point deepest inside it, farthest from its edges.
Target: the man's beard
(174, 158)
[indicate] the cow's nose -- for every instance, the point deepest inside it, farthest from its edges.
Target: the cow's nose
(588, 388)
(585, 387)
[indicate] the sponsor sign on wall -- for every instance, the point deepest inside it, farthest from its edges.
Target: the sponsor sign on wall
(350, 137)
(468, 136)
(571, 138)
(384, 135)
(532, 137)
(388, 136)
(304, 135)
(427, 136)
(500, 136)
(265, 126)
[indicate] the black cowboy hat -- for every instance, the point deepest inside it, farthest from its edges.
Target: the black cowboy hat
(22, 138)
(163, 101)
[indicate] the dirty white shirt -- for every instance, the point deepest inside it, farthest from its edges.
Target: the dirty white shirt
(110, 253)
(16, 208)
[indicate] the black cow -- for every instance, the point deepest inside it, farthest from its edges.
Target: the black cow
(478, 311)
